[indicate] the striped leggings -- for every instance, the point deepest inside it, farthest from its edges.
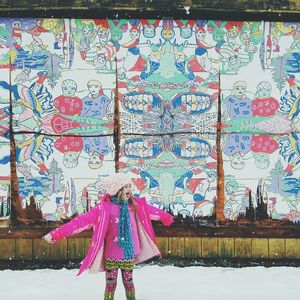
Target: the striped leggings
(111, 275)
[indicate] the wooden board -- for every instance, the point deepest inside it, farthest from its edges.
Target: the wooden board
(292, 248)
(7, 249)
(193, 247)
(226, 247)
(260, 248)
(41, 249)
(176, 246)
(163, 245)
(24, 249)
(59, 251)
(76, 248)
(209, 247)
(277, 248)
(242, 247)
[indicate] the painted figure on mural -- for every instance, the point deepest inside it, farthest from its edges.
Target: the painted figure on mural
(134, 60)
(86, 36)
(263, 103)
(36, 33)
(117, 29)
(232, 51)
(28, 119)
(238, 105)
(237, 146)
(236, 199)
(81, 117)
(95, 103)
(201, 61)
(186, 28)
(126, 234)
(23, 77)
(251, 36)
(4, 33)
(104, 47)
(68, 104)
(16, 34)
(149, 27)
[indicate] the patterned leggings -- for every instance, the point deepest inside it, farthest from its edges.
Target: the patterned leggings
(111, 275)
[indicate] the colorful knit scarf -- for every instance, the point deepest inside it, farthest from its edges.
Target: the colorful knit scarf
(124, 229)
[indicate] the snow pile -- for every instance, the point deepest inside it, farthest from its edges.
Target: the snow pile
(156, 283)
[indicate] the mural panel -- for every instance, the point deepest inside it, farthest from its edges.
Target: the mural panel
(166, 86)
(177, 173)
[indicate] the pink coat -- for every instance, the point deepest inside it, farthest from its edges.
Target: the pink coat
(98, 218)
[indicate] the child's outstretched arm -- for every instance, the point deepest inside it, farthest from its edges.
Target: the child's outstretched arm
(157, 214)
(78, 224)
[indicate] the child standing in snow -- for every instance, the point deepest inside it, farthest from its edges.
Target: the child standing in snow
(123, 233)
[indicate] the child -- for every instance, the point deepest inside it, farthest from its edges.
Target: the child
(123, 233)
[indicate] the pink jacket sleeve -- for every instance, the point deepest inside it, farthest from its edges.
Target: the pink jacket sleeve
(78, 224)
(160, 215)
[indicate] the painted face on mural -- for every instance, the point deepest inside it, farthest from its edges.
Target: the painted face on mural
(167, 34)
(264, 90)
(69, 87)
(70, 159)
(212, 176)
(94, 86)
(16, 24)
(232, 33)
(100, 61)
(262, 160)
(237, 161)
(205, 63)
(135, 34)
(103, 33)
(88, 31)
(234, 61)
(149, 31)
(230, 187)
(116, 35)
(246, 34)
(94, 161)
(186, 32)
(239, 89)
(200, 35)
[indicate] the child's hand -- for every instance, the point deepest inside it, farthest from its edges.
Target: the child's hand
(48, 238)
(168, 220)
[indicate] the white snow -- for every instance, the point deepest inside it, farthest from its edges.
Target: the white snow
(156, 283)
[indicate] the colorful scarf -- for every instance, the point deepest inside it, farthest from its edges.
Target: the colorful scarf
(124, 229)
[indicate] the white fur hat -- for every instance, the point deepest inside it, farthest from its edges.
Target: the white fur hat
(114, 182)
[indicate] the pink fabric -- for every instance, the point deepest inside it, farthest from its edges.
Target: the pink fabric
(98, 218)
(112, 250)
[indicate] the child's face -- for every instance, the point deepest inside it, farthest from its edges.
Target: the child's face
(127, 190)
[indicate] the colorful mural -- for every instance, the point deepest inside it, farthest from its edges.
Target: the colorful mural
(147, 96)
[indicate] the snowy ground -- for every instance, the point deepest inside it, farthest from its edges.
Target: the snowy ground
(157, 283)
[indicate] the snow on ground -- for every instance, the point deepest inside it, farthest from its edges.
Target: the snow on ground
(156, 283)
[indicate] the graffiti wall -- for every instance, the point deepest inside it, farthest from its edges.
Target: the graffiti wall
(148, 97)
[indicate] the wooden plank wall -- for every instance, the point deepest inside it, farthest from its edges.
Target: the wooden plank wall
(195, 247)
